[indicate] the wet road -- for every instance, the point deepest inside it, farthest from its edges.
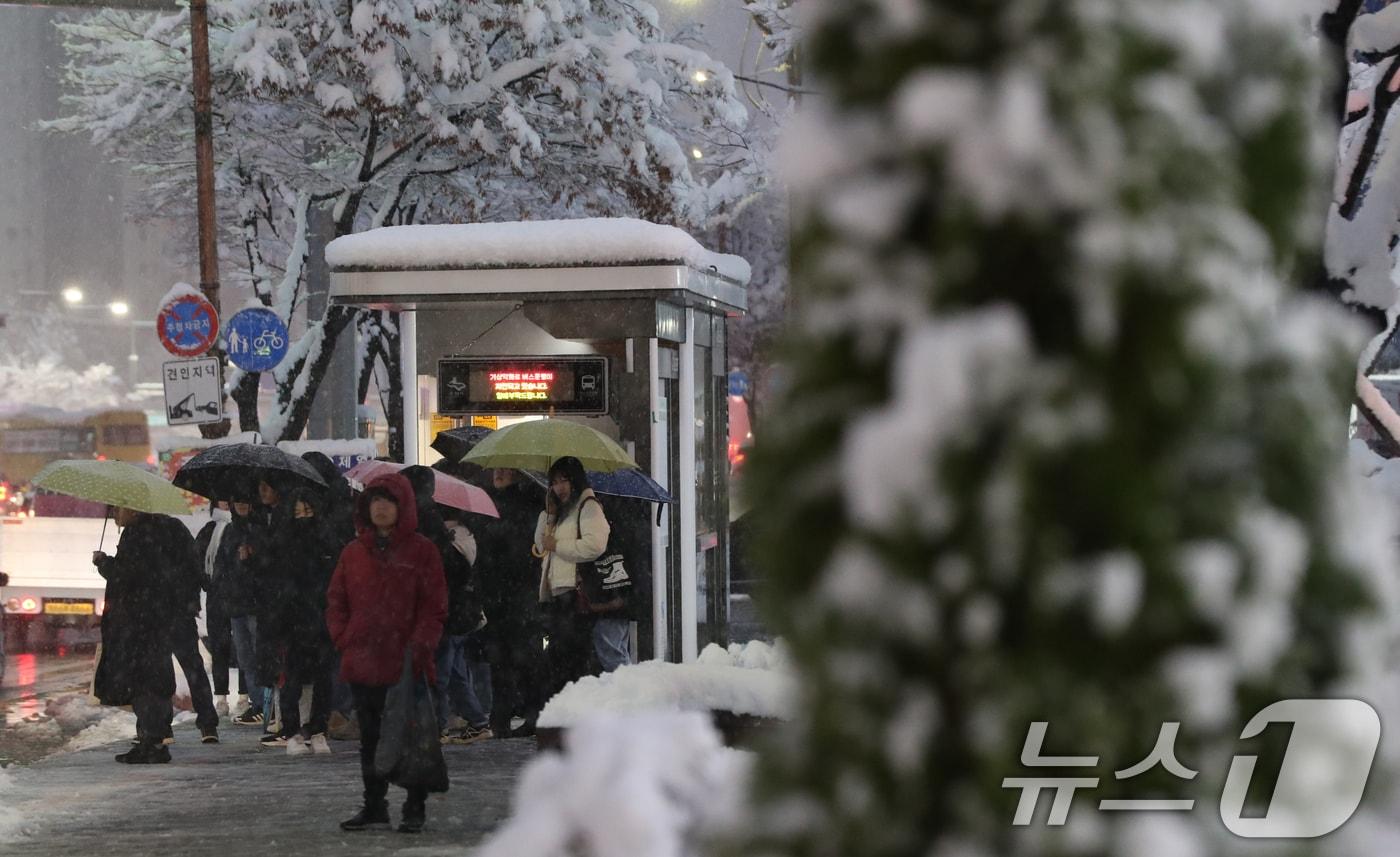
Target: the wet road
(32, 678)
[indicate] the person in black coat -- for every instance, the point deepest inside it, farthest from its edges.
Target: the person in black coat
(307, 561)
(148, 592)
(337, 508)
(239, 588)
(269, 543)
(337, 514)
(509, 579)
(458, 673)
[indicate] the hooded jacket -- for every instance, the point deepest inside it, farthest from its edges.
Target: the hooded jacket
(386, 595)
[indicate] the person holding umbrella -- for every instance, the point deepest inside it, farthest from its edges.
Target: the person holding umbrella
(146, 597)
(571, 530)
(146, 594)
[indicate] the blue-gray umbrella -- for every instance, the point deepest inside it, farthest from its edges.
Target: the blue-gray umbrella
(620, 483)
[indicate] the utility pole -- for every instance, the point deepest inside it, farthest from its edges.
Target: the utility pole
(204, 182)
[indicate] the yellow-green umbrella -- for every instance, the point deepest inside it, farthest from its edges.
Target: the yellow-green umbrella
(536, 444)
(115, 483)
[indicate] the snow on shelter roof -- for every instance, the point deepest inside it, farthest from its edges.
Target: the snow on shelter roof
(585, 242)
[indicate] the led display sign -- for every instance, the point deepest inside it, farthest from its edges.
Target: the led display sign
(522, 385)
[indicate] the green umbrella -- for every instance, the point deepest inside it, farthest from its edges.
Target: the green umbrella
(115, 483)
(536, 444)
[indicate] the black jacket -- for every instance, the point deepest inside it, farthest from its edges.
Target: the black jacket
(307, 563)
(464, 612)
(151, 583)
(508, 570)
(237, 584)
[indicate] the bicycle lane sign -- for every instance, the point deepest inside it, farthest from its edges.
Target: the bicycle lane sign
(256, 339)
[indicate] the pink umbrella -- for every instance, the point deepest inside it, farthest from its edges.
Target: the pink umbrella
(447, 490)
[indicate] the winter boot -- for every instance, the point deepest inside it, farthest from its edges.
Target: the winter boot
(415, 814)
(145, 754)
(209, 735)
(373, 815)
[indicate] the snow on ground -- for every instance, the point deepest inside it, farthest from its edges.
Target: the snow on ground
(658, 784)
(531, 244)
(751, 679)
(10, 817)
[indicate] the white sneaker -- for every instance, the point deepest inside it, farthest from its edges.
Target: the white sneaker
(221, 706)
(319, 745)
(297, 746)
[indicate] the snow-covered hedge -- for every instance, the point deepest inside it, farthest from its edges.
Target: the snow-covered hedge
(649, 785)
(751, 679)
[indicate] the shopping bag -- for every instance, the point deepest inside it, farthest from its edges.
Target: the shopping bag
(410, 746)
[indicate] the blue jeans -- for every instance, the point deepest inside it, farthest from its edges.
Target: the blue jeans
(461, 682)
(245, 633)
(612, 642)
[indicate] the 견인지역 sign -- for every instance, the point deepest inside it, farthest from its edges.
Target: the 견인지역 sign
(256, 339)
(187, 326)
(193, 391)
(523, 385)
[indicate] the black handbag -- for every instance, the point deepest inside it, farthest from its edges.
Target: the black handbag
(605, 578)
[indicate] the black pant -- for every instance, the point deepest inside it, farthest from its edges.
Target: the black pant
(369, 709)
(220, 643)
(153, 715)
(515, 650)
(317, 672)
(185, 640)
(570, 644)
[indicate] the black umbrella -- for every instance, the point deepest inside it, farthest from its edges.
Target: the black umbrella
(232, 469)
(452, 444)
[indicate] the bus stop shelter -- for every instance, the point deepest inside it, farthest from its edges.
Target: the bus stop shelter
(616, 323)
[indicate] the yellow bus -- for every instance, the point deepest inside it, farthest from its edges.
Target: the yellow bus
(28, 443)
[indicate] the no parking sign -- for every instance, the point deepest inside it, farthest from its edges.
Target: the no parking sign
(187, 326)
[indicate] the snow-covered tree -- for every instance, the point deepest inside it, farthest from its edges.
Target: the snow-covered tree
(400, 111)
(1058, 444)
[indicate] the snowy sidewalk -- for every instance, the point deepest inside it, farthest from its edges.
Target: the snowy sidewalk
(214, 798)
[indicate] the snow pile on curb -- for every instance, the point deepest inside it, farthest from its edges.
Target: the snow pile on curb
(752, 680)
(112, 726)
(653, 784)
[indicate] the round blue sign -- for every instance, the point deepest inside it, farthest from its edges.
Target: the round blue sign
(738, 383)
(256, 339)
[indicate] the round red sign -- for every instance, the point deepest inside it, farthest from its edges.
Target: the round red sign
(187, 326)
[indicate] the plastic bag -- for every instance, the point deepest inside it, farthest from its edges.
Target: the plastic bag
(410, 747)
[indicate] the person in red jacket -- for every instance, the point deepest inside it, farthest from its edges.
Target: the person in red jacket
(388, 595)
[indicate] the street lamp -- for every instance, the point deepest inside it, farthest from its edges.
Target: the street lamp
(119, 308)
(72, 295)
